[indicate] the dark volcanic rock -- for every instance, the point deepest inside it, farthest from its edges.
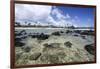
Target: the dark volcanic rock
(19, 44)
(56, 33)
(76, 35)
(26, 48)
(18, 39)
(23, 32)
(68, 31)
(42, 36)
(52, 45)
(55, 45)
(18, 34)
(77, 31)
(68, 44)
(90, 48)
(87, 32)
(35, 56)
(61, 32)
(46, 44)
(24, 37)
(83, 36)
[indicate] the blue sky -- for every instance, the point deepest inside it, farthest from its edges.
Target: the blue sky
(85, 15)
(54, 15)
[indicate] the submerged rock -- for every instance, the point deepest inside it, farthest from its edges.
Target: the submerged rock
(23, 32)
(52, 45)
(55, 45)
(77, 31)
(61, 32)
(87, 32)
(47, 58)
(83, 36)
(34, 56)
(68, 44)
(19, 44)
(24, 37)
(18, 39)
(41, 36)
(45, 45)
(68, 31)
(76, 35)
(56, 33)
(18, 55)
(90, 48)
(26, 48)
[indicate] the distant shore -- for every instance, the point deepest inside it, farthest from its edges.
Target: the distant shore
(51, 28)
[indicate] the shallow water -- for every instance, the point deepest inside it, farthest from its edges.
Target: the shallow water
(45, 30)
(41, 30)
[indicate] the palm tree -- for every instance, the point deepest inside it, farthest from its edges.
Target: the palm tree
(29, 24)
(25, 22)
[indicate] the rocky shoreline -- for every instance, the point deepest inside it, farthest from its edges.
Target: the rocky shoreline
(57, 47)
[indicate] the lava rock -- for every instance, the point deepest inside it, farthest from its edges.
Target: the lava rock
(61, 32)
(56, 33)
(52, 45)
(55, 45)
(24, 37)
(68, 31)
(90, 48)
(76, 35)
(87, 32)
(18, 39)
(35, 56)
(45, 45)
(77, 31)
(83, 36)
(26, 48)
(68, 44)
(19, 44)
(42, 36)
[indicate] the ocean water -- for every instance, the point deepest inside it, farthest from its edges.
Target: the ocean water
(40, 30)
(45, 30)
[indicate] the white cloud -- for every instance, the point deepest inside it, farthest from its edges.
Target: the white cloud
(58, 13)
(77, 19)
(43, 15)
(31, 12)
(61, 20)
(68, 16)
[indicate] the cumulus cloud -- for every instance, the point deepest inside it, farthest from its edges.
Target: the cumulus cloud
(44, 15)
(68, 16)
(58, 13)
(61, 19)
(31, 12)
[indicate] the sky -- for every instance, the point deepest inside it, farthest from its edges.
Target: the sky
(54, 15)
